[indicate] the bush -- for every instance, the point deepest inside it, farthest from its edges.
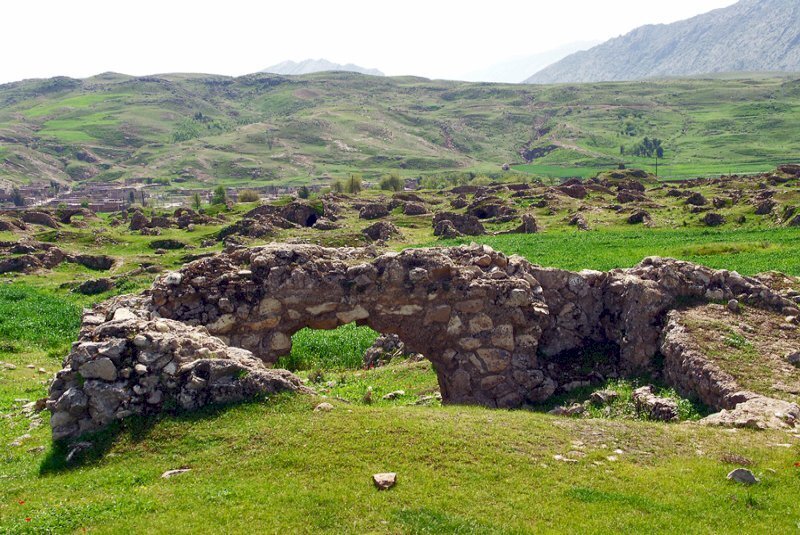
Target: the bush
(304, 192)
(391, 182)
(249, 195)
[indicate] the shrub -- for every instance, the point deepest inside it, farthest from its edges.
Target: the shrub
(220, 196)
(391, 182)
(249, 195)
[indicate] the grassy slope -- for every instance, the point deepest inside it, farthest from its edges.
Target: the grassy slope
(271, 130)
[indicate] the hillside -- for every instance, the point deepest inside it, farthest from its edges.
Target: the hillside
(310, 66)
(750, 36)
(267, 129)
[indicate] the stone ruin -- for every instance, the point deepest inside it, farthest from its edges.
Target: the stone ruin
(488, 323)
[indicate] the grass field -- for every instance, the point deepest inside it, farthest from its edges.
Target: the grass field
(747, 251)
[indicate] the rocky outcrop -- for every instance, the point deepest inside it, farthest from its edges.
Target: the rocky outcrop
(381, 231)
(465, 224)
(39, 218)
(373, 211)
(483, 319)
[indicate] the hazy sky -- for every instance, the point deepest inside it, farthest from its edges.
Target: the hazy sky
(437, 39)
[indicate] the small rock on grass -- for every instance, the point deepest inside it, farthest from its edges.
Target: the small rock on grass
(743, 475)
(323, 407)
(794, 359)
(172, 473)
(394, 395)
(384, 481)
(733, 306)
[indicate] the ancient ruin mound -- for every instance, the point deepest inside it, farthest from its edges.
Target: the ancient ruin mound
(486, 322)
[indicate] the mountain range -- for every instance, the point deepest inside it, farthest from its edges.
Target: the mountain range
(749, 36)
(309, 66)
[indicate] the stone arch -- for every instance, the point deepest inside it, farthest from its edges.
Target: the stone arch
(474, 314)
(487, 322)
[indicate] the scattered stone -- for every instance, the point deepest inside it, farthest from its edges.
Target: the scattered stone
(793, 358)
(656, 408)
(604, 397)
(734, 306)
(172, 473)
(744, 476)
(323, 407)
(385, 481)
(383, 350)
(95, 286)
(446, 230)
(76, 450)
(465, 224)
(576, 409)
(374, 211)
(394, 395)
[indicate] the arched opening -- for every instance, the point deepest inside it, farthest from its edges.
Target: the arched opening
(311, 220)
(362, 366)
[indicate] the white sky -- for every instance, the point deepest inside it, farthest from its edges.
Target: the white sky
(436, 39)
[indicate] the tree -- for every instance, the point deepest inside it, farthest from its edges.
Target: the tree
(220, 196)
(85, 203)
(17, 198)
(304, 192)
(197, 202)
(337, 186)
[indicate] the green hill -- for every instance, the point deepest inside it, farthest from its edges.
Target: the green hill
(266, 129)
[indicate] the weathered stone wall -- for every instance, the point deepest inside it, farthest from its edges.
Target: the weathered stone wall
(475, 314)
(202, 334)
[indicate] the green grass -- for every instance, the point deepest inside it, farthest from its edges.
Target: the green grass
(748, 251)
(340, 349)
(37, 318)
(284, 468)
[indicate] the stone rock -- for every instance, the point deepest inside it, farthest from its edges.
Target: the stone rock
(576, 409)
(101, 368)
(656, 408)
(385, 481)
(95, 286)
(576, 191)
(383, 350)
(639, 216)
(96, 262)
(138, 221)
(446, 230)
(577, 220)
(323, 407)
(793, 358)
(465, 224)
(381, 231)
(604, 397)
(413, 208)
(172, 473)
(765, 207)
(734, 306)
(373, 211)
(696, 199)
(394, 395)
(712, 219)
(744, 476)
(76, 450)
(39, 218)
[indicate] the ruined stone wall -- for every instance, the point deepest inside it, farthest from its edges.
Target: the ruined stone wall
(202, 334)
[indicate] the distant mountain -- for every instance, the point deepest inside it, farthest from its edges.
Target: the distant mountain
(309, 66)
(515, 70)
(749, 36)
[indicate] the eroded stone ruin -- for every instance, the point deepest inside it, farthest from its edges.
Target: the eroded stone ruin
(486, 321)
